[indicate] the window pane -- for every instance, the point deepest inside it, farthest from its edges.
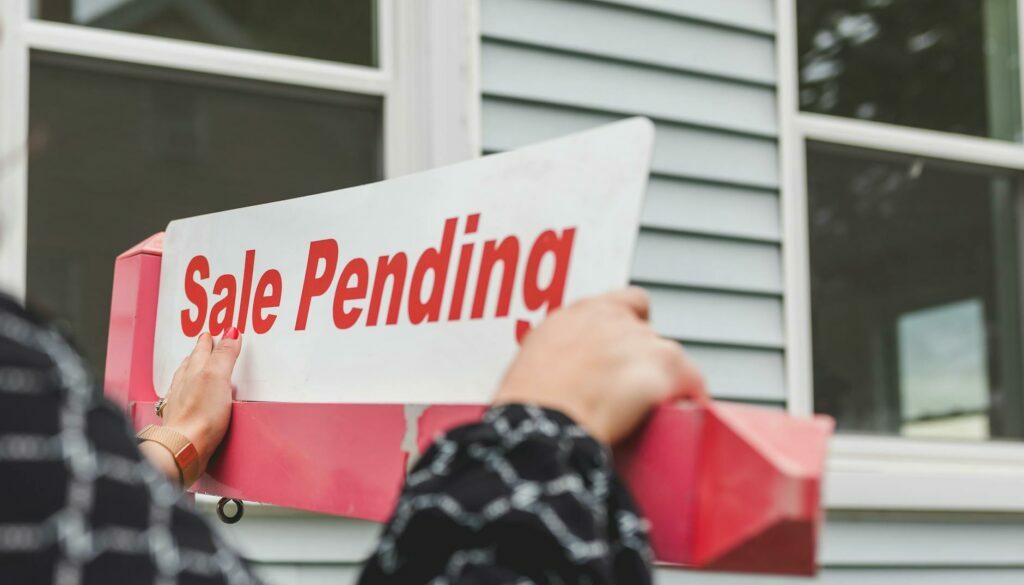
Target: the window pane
(333, 30)
(914, 295)
(947, 65)
(123, 150)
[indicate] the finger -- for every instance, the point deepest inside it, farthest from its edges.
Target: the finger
(200, 353)
(685, 379)
(690, 383)
(223, 358)
(633, 298)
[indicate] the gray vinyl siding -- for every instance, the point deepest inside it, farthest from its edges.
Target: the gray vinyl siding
(709, 252)
(861, 550)
(335, 575)
(709, 249)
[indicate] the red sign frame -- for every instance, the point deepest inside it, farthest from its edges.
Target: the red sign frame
(726, 487)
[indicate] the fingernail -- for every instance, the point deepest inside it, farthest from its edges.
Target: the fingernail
(231, 333)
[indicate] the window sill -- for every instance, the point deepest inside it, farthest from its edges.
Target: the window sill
(885, 473)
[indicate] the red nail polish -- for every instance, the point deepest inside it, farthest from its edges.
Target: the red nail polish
(231, 333)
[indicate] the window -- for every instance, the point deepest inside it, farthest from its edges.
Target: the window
(914, 295)
(321, 29)
(947, 65)
(117, 116)
(139, 146)
(902, 170)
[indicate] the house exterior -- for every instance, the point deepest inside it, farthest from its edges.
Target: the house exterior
(831, 223)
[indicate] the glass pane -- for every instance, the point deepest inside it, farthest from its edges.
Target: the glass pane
(948, 65)
(321, 29)
(123, 150)
(914, 295)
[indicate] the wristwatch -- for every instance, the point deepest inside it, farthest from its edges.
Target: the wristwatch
(186, 458)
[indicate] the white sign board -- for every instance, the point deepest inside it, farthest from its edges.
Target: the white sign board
(411, 290)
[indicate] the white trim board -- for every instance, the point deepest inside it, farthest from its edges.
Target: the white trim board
(13, 147)
(203, 58)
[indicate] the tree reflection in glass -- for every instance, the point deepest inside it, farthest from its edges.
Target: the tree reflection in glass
(948, 65)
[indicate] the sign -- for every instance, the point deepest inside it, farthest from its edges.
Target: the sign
(413, 290)
(358, 302)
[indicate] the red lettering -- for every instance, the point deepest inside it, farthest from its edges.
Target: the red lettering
(223, 312)
(561, 247)
(255, 302)
(394, 267)
(313, 285)
(196, 294)
(549, 297)
(243, 307)
(508, 254)
(462, 274)
(358, 270)
(436, 260)
(268, 296)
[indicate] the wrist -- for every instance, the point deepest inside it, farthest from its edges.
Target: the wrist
(185, 457)
(533, 422)
(575, 410)
(196, 435)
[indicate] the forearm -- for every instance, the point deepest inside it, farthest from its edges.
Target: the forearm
(162, 459)
(527, 494)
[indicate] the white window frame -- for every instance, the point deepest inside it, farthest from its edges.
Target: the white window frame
(428, 79)
(880, 473)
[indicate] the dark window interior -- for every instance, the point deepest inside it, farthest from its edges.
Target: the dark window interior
(915, 296)
(332, 30)
(948, 65)
(121, 150)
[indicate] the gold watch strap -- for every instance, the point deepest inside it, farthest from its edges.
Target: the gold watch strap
(186, 458)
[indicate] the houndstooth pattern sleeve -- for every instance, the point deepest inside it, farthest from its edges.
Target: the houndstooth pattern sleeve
(78, 503)
(524, 497)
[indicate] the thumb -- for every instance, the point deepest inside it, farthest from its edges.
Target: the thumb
(225, 354)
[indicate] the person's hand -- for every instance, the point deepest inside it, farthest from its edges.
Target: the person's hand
(600, 362)
(198, 404)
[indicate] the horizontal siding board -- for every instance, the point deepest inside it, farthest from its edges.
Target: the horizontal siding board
(877, 542)
(679, 151)
(741, 374)
(701, 208)
(899, 542)
(300, 537)
(866, 576)
(695, 261)
(569, 80)
(347, 575)
(755, 15)
(716, 318)
(602, 30)
(295, 574)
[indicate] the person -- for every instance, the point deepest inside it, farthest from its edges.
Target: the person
(527, 495)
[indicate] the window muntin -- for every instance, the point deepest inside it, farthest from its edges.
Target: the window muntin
(947, 65)
(915, 302)
(123, 149)
(342, 31)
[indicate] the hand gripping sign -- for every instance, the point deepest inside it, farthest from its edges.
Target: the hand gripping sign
(378, 316)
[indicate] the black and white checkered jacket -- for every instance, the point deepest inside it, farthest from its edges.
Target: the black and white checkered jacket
(523, 497)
